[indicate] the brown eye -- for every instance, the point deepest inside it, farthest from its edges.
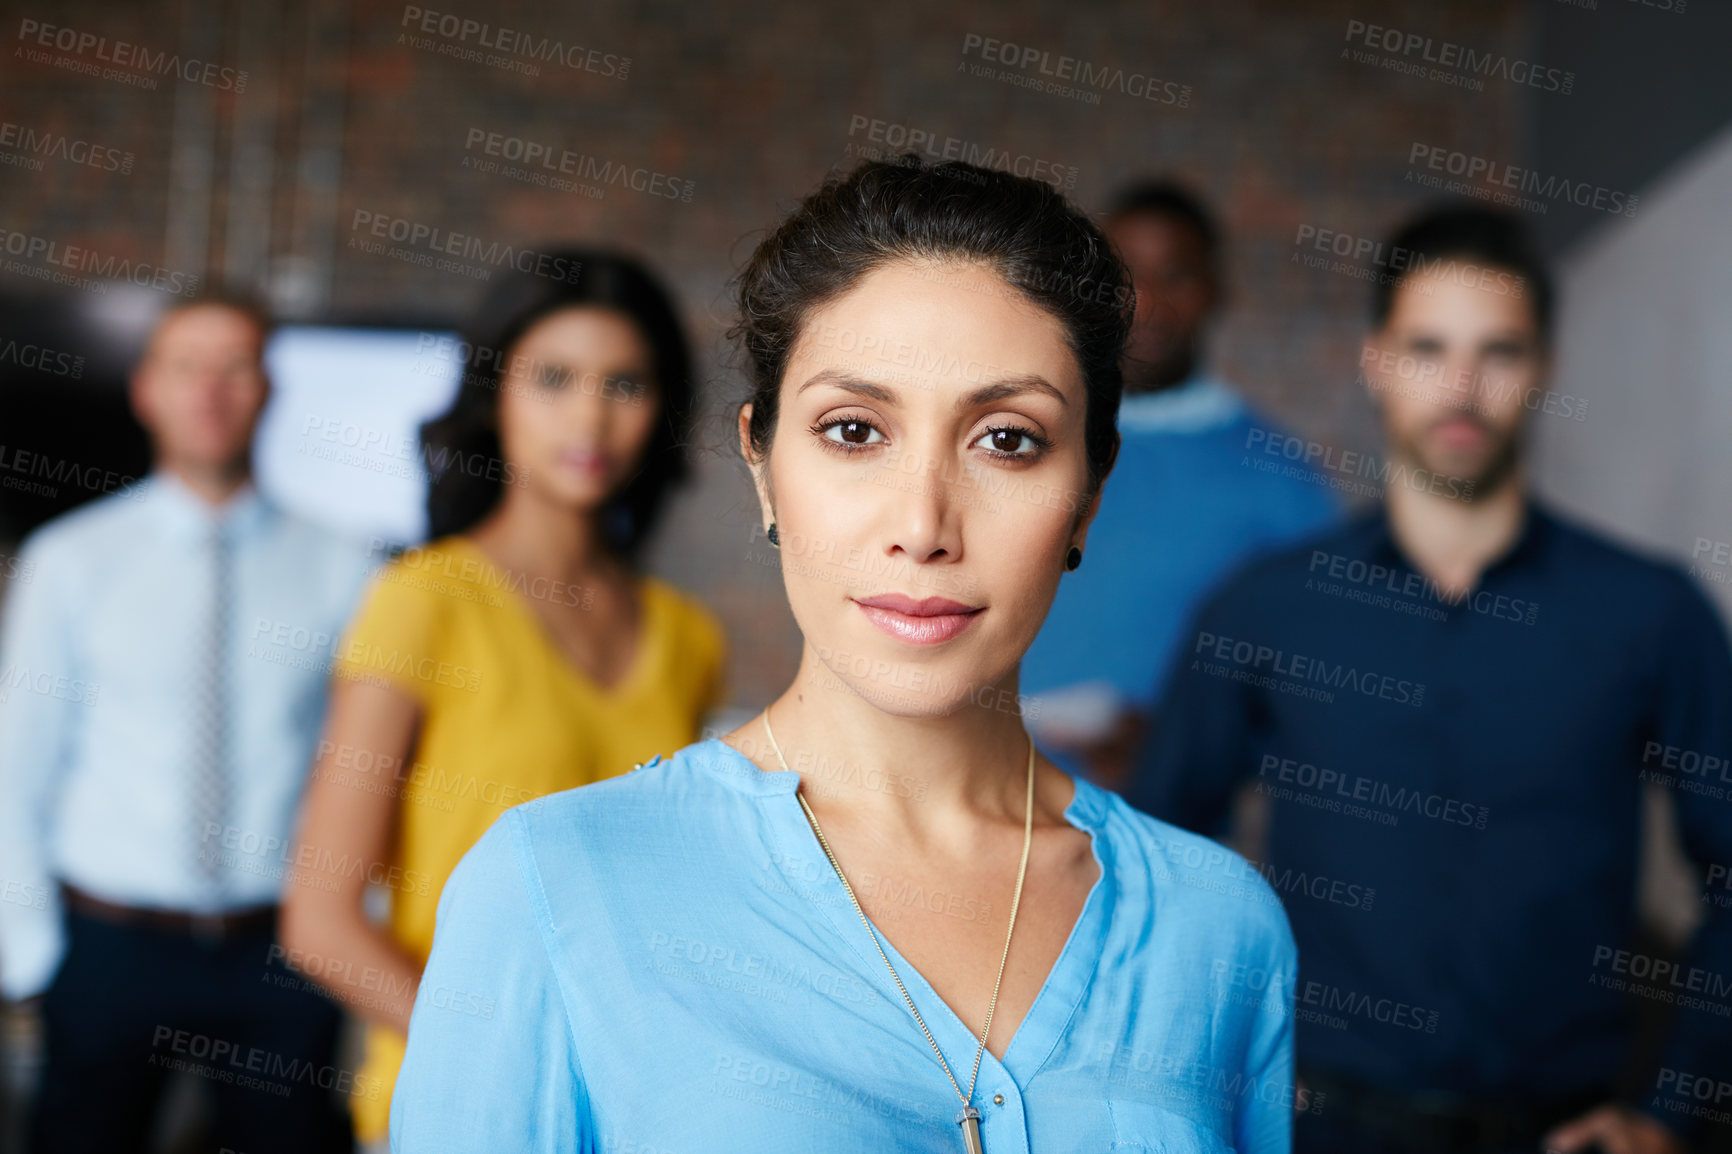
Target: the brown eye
(552, 376)
(849, 431)
(1011, 442)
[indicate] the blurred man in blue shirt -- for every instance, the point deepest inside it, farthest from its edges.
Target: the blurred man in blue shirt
(162, 684)
(1181, 509)
(1452, 706)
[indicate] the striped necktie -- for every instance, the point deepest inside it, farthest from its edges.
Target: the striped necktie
(210, 727)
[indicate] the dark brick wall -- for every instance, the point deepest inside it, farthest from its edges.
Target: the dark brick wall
(751, 104)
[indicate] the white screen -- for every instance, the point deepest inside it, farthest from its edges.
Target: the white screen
(338, 443)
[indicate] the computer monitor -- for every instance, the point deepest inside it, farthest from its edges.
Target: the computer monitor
(339, 441)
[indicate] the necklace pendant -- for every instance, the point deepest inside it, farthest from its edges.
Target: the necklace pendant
(969, 1119)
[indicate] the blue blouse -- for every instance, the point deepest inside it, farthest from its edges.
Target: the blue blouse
(665, 962)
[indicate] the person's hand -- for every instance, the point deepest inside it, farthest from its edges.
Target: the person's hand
(21, 1022)
(1615, 1130)
(1112, 757)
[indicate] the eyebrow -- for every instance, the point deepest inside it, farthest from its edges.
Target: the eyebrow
(1011, 387)
(1502, 337)
(848, 384)
(986, 394)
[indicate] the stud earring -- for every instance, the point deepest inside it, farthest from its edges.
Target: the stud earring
(775, 538)
(1072, 559)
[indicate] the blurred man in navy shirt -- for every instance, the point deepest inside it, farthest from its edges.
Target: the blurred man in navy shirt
(1452, 706)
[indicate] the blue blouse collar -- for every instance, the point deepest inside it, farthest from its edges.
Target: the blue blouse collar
(1087, 810)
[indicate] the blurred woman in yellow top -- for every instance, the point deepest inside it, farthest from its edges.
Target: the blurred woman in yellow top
(517, 654)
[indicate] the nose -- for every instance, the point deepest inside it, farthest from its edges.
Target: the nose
(583, 407)
(922, 513)
(213, 385)
(1467, 386)
(1149, 299)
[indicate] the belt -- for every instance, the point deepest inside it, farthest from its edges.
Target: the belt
(216, 927)
(1448, 1122)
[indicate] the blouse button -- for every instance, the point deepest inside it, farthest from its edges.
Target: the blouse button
(998, 1099)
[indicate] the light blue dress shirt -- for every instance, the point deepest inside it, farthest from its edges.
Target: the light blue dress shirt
(98, 660)
(666, 962)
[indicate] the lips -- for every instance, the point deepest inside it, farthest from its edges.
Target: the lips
(1461, 433)
(585, 461)
(926, 622)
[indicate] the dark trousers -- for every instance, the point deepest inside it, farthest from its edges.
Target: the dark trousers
(132, 1005)
(1356, 1119)
(1325, 1134)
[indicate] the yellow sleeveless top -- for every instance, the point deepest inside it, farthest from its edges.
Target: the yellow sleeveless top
(505, 718)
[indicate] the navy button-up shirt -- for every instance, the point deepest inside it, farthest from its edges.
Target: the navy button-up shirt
(1455, 802)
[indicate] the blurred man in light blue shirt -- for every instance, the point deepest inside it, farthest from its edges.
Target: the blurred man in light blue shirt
(1183, 507)
(162, 684)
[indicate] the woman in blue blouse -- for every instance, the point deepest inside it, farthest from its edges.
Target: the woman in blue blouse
(873, 918)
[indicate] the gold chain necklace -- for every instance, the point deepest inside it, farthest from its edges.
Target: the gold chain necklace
(968, 1117)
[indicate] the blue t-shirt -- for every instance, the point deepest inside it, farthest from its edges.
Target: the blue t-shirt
(1187, 502)
(665, 961)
